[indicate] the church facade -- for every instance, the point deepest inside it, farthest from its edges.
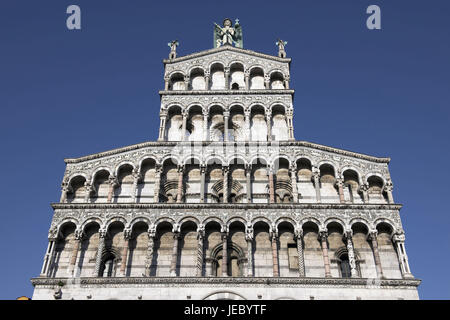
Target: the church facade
(226, 204)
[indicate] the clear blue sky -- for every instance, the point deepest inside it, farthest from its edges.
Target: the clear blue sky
(72, 93)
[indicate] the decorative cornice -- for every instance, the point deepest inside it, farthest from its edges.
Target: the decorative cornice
(276, 281)
(205, 143)
(226, 48)
(233, 206)
(226, 92)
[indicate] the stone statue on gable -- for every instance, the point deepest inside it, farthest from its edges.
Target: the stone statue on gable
(228, 35)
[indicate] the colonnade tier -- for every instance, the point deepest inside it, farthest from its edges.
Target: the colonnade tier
(236, 181)
(235, 249)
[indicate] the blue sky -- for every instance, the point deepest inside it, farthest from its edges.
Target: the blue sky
(72, 93)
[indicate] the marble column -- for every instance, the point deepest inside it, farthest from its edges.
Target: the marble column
(101, 246)
(364, 188)
(183, 127)
(340, 185)
(200, 248)
(202, 183)
(136, 179)
(64, 190)
(89, 189)
(247, 79)
(180, 184)
(113, 182)
(373, 238)
(247, 125)
(205, 125)
(150, 249)
(225, 171)
(249, 239)
(287, 78)
(276, 269)
(224, 254)
(316, 178)
(289, 117)
(269, 126)
(323, 235)
(166, 83)
(226, 116)
(301, 256)
(48, 258)
(271, 186)
(267, 81)
(158, 169)
(294, 183)
(173, 264)
(186, 82)
(162, 126)
(248, 172)
(76, 248)
(399, 244)
(207, 79)
(227, 78)
(388, 189)
(351, 253)
(126, 245)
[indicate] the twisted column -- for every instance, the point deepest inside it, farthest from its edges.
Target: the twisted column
(247, 79)
(323, 235)
(267, 81)
(247, 125)
(269, 126)
(186, 82)
(101, 246)
(351, 253)
(225, 171)
(123, 265)
(227, 77)
(207, 79)
(150, 248)
(373, 238)
(364, 188)
(289, 117)
(205, 125)
(301, 256)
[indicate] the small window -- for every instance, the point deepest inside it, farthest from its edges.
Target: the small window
(235, 86)
(345, 266)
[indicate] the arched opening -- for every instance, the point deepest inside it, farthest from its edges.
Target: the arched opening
(279, 124)
(197, 79)
(258, 124)
(375, 192)
(259, 181)
(124, 192)
(388, 254)
(364, 249)
(77, 190)
(217, 77)
(288, 253)
(174, 125)
(101, 186)
(237, 76)
(351, 187)
(217, 126)
(312, 252)
(194, 126)
(177, 82)
(187, 255)
(262, 250)
(257, 78)
(63, 250)
(236, 126)
(146, 186)
(328, 191)
(169, 181)
(283, 184)
(277, 80)
(138, 246)
(305, 185)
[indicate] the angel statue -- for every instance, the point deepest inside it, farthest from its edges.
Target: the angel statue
(228, 34)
